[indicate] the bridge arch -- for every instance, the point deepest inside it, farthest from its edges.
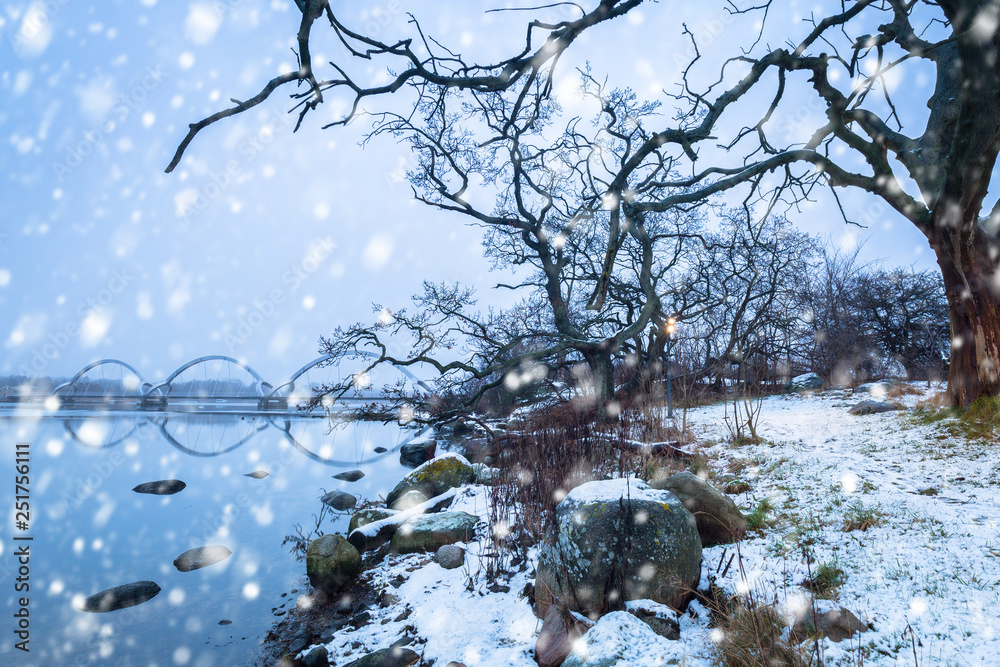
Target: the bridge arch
(114, 375)
(258, 387)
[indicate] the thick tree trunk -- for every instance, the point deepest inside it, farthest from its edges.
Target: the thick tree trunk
(602, 373)
(968, 258)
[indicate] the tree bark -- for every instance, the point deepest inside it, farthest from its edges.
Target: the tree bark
(602, 373)
(968, 260)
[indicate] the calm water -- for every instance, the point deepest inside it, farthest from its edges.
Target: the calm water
(92, 532)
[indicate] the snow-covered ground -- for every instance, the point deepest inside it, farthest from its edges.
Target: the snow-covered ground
(927, 579)
(932, 566)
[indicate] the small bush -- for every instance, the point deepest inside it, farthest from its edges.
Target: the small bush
(750, 636)
(859, 517)
(900, 389)
(757, 520)
(825, 581)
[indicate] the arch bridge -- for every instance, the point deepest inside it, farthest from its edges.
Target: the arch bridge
(224, 384)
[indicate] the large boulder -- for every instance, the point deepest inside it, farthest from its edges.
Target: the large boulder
(805, 383)
(434, 477)
(613, 535)
(331, 562)
(719, 520)
(429, 532)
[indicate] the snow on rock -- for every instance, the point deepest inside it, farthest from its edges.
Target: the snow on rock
(619, 638)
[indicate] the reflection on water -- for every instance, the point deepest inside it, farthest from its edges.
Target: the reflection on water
(91, 532)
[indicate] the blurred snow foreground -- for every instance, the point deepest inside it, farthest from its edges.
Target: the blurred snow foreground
(914, 572)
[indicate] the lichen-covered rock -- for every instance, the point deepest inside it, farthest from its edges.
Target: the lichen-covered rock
(719, 520)
(367, 516)
(434, 477)
(331, 562)
(621, 538)
(429, 532)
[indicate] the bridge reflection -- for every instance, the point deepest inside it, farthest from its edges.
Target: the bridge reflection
(338, 443)
(224, 384)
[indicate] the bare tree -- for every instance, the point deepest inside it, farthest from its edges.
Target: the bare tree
(859, 144)
(906, 315)
(838, 344)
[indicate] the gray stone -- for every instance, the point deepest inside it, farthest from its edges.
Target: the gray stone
(340, 500)
(719, 520)
(484, 474)
(349, 476)
(318, 657)
(331, 562)
(165, 487)
(805, 383)
(872, 407)
(434, 477)
(367, 516)
(450, 556)
(598, 520)
(477, 450)
(387, 657)
(257, 474)
(410, 499)
(556, 638)
(199, 557)
(829, 620)
(429, 532)
(413, 454)
(119, 597)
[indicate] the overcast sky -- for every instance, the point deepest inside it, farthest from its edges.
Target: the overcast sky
(290, 235)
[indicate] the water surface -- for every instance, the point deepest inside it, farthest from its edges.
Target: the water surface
(91, 531)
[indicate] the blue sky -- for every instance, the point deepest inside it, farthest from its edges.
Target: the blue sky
(286, 236)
